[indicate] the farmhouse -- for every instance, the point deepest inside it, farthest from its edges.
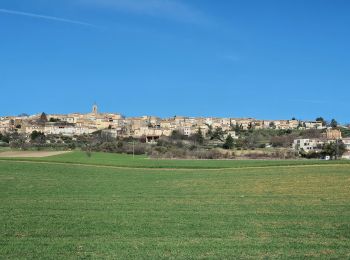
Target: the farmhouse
(308, 145)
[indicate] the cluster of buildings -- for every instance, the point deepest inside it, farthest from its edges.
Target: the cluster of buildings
(150, 127)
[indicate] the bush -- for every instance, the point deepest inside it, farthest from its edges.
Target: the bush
(176, 153)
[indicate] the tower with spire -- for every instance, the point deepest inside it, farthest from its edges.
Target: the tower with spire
(94, 109)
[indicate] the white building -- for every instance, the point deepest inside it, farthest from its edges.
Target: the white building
(308, 145)
(68, 130)
(232, 133)
(346, 156)
(346, 142)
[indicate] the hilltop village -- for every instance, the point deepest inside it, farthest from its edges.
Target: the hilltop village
(151, 129)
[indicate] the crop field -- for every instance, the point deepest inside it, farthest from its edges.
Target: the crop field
(140, 161)
(112, 206)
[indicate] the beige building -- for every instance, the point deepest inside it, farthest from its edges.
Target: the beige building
(333, 134)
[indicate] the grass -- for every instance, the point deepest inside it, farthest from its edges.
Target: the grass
(123, 160)
(4, 149)
(65, 211)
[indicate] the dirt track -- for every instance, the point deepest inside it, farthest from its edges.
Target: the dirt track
(32, 154)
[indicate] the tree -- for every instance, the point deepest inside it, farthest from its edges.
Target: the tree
(334, 123)
(237, 128)
(253, 140)
(250, 126)
(300, 125)
(321, 119)
(198, 137)
(177, 135)
(334, 149)
(37, 137)
(272, 125)
(210, 130)
(17, 140)
(35, 134)
(218, 134)
(282, 141)
(5, 138)
(229, 142)
(53, 120)
(43, 117)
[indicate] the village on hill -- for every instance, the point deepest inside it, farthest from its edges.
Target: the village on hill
(225, 132)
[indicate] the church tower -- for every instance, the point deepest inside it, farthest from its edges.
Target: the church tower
(94, 109)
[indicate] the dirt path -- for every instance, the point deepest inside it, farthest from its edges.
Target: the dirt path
(29, 154)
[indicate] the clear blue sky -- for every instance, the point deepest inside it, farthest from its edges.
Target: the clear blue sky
(263, 59)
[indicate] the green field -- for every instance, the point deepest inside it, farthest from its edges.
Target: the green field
(54, 209)
(121, 160)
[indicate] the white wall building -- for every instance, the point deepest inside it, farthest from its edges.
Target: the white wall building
(346, 142)
(308, 145)
(67, 130)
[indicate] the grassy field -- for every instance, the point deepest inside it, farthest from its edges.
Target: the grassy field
(68, 211)
(122, 160)
(4, 149)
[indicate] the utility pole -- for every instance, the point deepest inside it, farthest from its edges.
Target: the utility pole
(133, 149)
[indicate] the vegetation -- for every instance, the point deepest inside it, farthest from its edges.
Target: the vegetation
(198, 137)
(321, 119)
(62, 211)
(333, 123)
(54, 120)
(37, 136)
(333, 150)
(216, 144)
(345, 132)
(229, 142)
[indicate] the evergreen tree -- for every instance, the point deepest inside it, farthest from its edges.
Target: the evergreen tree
(321, 119)
(199, 136)
(43, 117)
(237, 128)
(229, 142)
(334, 123)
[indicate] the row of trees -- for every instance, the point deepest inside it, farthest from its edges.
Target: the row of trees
(333, 123)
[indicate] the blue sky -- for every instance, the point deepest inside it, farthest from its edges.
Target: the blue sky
(264, 59)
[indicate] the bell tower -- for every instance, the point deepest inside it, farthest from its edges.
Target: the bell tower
(94, 109)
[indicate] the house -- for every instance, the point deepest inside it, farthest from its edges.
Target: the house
(308, 145)
(68, 119)
(186, 130)
(314, 125)
(30, 128)
(293, 124)
(333, 134)
(346, 142)
(67, 129)
(346, 155)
